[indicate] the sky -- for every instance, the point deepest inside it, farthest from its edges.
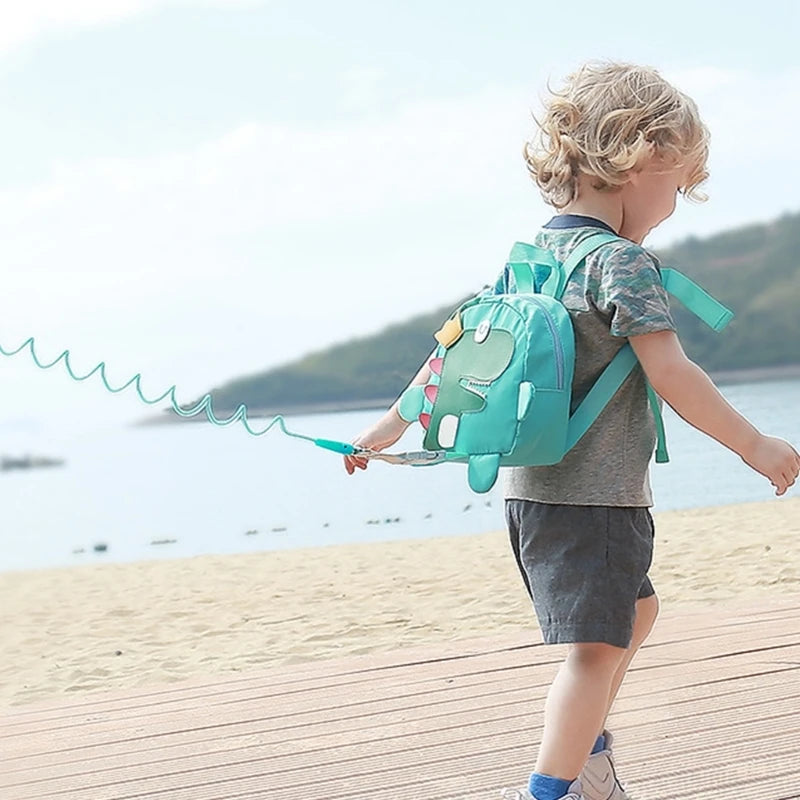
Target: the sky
(201, 189)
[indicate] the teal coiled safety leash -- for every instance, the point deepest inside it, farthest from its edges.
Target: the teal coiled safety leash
(203, 405)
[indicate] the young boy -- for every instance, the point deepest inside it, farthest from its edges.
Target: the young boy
(616, 146)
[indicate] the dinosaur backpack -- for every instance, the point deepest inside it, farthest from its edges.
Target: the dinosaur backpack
(500, 392)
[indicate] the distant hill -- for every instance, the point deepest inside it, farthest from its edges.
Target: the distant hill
(361, 373)
(755, 270)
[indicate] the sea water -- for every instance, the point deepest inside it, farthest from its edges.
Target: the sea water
(129, 493)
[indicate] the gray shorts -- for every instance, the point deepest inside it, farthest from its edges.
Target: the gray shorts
(584, 567)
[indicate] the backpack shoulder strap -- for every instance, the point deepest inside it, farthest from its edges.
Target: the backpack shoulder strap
(575, 259)
(696, 299)
(523, 263)
(536, 269)
(597, 398)
(700, 303)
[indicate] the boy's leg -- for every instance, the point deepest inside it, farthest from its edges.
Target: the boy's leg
(646, 613)
(584, 567)
(599, 776)
(576, 707)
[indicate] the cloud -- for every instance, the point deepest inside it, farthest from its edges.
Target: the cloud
(182, 259)
(24, 22)
(704, 79)
(747, 112)
(360, 88)
(263, 176)
(273, 240)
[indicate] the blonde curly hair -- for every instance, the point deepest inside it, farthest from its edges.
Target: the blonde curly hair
(606, 121)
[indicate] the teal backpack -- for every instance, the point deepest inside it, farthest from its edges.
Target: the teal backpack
(500, 392)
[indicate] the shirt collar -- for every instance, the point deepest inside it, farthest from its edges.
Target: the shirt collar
(578, 221)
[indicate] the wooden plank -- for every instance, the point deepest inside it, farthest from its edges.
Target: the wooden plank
(287, 755)
(493, 670)
(680, 630)
(317, 767)
(514, 694)
(456, 726)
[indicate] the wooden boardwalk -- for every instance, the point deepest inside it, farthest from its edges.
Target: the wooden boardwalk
(711, 709)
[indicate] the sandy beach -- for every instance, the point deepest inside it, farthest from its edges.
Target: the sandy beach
(114, 626)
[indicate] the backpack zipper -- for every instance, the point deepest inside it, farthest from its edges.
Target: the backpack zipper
(556, 341)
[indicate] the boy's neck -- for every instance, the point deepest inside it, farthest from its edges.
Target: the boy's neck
(606, 208)
(609, 207)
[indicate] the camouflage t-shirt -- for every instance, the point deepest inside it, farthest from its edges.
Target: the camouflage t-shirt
(617, 293)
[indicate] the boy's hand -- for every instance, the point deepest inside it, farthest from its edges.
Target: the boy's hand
(774, 459)
(384, 433)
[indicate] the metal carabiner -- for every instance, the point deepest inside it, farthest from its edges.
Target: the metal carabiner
(416, 458)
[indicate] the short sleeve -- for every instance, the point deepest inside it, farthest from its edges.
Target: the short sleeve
(630, 293)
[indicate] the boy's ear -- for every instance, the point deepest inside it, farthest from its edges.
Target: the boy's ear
(647, 160)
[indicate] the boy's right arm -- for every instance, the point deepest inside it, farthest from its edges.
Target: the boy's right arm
(388, 429)
(391, 426)
(692, 394)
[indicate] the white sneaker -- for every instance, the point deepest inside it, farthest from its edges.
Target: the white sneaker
(573, 793)
(599, 777)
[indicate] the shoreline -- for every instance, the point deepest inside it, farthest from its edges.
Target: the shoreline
(149, 556)
(118, 626)
(786, 372)
(722, 378)
(169, 417)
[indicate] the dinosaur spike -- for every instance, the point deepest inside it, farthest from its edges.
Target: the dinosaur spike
(450, 332)
(436, 365)
(411, 403)
(425, 420)
(431, 392)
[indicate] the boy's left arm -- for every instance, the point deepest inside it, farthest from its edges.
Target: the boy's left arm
(692, 394)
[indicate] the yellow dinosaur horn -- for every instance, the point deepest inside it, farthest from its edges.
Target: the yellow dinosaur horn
(450, 332)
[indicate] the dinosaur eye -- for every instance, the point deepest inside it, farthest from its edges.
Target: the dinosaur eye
(482, 331)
